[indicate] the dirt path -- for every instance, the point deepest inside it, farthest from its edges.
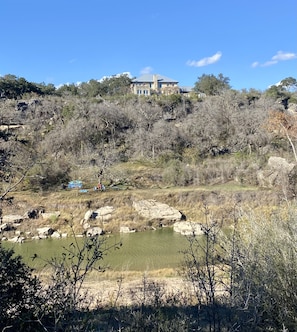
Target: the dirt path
(123, 292)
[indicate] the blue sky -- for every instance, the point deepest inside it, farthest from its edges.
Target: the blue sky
(254, 43)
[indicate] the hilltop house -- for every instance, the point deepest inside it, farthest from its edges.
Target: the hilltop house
(148, 84)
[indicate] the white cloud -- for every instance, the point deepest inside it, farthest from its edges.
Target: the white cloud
(68, 84)
(269, 63)
(146, 70)
(205, 61)
(280, 56)
(127, 73)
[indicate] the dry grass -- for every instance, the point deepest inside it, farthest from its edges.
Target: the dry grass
(191, 201)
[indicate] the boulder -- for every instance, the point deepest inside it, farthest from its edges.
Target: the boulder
(17, 239)
(86, 225)
(56, 235)
(49, 215)
(104, 213)
(88, 215)
(44, 231)
(279, 173)
(12, 218)
(6, 227)
(94, 231)
(292, 108)
(280, 165)
(151, 209)
(126, 229)
(188, 228)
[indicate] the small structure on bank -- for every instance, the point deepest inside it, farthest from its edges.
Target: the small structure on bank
(75, 184)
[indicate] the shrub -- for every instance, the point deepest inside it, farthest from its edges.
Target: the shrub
(18, 292)
(245, 279)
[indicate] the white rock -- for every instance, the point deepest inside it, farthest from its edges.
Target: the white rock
(125, 229)
(88, 215)
(56, 235)
(188, 228)
(104, 213)
(49, 215)
(46, 231)
(5, 227)
(152, 209)
(17, 239)
(94, 231)
(12, 218)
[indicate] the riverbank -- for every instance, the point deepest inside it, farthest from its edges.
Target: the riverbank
(64, 207)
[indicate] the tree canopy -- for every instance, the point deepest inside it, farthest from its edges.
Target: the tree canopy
(212, 85)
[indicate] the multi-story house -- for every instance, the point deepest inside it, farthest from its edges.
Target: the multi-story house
(149, 84)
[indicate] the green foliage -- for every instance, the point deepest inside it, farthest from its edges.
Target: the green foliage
(176, 173)
(169, 102)
(289, 83)
(116, 85)
(12, 87)
(96, 122)
(59, 305)
(48, 174)
(252, 95)
(18, 292)
(68, 89)
(67, 112)
(212, 85)
(276, 92)
(285, 91)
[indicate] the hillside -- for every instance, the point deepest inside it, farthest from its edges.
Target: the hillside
(72, 205)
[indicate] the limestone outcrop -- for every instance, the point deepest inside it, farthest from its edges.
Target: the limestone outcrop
(12, 218)
(188, 228)
(49, 215)
(94, 231)
(45, 231)
(279, 173)
(94, 219)
(102, 214)
(126, 229)
(151, 209)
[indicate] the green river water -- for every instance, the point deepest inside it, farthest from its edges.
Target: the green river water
(140, 251)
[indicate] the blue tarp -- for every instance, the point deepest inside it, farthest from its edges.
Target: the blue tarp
(75, 184)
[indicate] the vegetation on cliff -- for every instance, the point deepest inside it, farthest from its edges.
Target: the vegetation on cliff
(242, 280)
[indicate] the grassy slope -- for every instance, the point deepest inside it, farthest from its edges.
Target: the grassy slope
(191, 201)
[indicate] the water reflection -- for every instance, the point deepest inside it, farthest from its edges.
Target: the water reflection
(140, 251)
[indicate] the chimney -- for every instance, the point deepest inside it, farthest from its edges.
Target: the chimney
(155, 82)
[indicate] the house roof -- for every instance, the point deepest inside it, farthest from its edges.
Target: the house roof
(186, 88)
(149, 78)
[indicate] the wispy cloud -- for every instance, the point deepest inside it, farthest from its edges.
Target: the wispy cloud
(280, 56)
(126, 73)
(146, 70)
(205, 61)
